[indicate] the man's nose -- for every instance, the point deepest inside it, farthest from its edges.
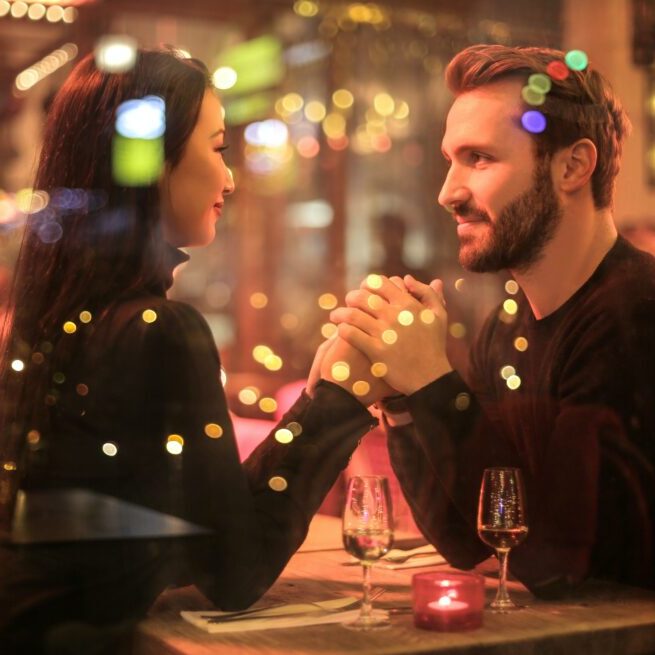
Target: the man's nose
(454, 190)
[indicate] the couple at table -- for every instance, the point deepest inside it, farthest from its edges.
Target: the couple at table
(114, 372)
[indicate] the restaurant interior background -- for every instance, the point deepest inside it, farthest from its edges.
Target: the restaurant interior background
(335, 116)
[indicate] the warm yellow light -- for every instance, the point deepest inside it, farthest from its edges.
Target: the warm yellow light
(213, 430)
(36, 12)
(401, 111)
(512, 287)
(334, 125)
(110, 449)
(375, 302)
(70, 327)
(507, 371)
(427, 316)
(292, 102)
(268, 405)
(18, 9)
(260, 353)
(259, 300)
(457, 330)
(305, 8)
(462, 401)
(342, 98)
(374, 281)
(513, 382)
(278, 483)
(361, 388)
(510, 306)
(327, 301)
(521, 344)
(149, 316)
(405, 317)
(249, 395)
(328, 330)
(273, 362)
(384, 104)
(340, 371)
(85, 316)
(315, 111)
(378, 369)
(174, 447)
(390, 336)
(283, 435)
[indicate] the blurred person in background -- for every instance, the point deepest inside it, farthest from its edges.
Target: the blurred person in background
(102, 373)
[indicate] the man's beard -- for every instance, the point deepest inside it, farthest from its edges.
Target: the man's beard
(523, 228)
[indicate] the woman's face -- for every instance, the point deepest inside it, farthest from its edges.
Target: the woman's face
(192, 193)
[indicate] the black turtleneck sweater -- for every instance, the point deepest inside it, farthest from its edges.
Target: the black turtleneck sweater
(143, 371)
(581, 426)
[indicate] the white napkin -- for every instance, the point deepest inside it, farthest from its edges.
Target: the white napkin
(284, 616)
(413, 562)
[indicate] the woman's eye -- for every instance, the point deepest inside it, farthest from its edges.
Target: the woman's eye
(221, 148)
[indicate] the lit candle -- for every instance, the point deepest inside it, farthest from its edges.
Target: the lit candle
(448, 601)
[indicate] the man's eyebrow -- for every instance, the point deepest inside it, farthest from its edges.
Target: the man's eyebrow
(469, 147)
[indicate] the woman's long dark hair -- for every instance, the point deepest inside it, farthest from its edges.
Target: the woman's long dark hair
(95, 240)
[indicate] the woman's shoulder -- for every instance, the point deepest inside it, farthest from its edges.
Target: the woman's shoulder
(154, 318)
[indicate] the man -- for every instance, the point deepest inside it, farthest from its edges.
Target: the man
(563, 388)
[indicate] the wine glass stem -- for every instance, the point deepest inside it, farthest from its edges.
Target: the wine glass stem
(502, 596)
(366, 600)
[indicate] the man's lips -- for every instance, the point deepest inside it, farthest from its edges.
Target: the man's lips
(463, 220)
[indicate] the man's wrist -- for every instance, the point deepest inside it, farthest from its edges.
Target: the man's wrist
(395, 410)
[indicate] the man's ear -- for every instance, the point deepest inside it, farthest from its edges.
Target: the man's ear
(574, 165)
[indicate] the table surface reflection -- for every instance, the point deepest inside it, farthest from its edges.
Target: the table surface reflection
(603, 619)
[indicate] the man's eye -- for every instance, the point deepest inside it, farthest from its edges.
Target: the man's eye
(479, 157)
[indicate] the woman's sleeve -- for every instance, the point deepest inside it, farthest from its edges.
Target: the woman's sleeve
(259, 512)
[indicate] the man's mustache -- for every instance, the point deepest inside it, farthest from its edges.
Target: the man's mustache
(467, 210)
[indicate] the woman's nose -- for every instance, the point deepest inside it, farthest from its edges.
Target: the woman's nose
(229, 182)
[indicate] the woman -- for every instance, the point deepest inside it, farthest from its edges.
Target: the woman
(113, 372)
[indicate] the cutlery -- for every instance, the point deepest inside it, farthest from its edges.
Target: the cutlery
(326, 606)
(398, 556)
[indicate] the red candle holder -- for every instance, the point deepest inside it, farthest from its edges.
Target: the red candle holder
(447, 602)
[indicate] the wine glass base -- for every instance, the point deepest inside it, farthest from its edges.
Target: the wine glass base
(377, 620)
(504, 606)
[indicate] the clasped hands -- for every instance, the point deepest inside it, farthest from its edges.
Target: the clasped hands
(391, 339)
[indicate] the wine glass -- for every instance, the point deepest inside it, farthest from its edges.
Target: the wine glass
(502, 522)
(368, 535)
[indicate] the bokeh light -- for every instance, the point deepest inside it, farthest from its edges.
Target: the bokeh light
(115, 54)
(224, 78)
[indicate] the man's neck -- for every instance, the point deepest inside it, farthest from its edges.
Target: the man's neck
(570, 258)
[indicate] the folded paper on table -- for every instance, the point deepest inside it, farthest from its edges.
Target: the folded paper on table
(280, 616)
(268, 622)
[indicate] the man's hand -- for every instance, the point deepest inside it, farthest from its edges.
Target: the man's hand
(403, 333)
(350, 369)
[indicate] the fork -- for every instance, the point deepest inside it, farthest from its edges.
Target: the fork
(376, 592)
(398, 557)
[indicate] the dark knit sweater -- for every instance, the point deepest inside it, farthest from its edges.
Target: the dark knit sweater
(581, 426)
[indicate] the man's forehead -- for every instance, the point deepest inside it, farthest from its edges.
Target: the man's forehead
(491, 111)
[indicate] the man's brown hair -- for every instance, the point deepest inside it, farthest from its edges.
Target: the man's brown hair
(581, 106)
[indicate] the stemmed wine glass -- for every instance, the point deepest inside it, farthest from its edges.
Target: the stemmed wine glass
(368, 535)
(502, 522)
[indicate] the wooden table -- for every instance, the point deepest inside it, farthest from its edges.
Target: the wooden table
(602, 620)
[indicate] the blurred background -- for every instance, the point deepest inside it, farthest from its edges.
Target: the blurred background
(335, 113)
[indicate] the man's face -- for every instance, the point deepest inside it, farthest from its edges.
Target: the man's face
(502, 198)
